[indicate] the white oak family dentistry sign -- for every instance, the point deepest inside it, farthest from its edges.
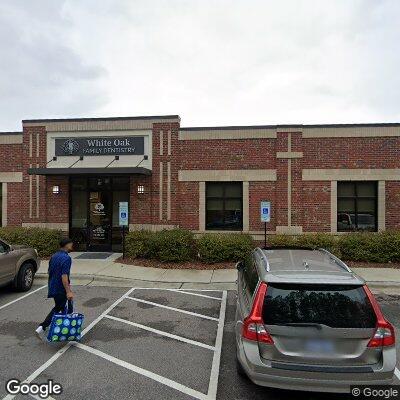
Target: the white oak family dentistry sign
(100, 146)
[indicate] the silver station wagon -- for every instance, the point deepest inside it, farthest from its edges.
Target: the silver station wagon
(305, 321)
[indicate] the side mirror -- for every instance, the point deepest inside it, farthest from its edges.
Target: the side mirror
(240, 266)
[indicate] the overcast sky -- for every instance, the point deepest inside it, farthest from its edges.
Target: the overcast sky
(212, 62)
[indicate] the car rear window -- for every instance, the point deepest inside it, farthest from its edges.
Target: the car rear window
(335, 306)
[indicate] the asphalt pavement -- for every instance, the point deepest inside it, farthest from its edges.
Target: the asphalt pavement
(138, 344)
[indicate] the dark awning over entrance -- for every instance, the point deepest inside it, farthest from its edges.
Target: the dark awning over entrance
(90, 171)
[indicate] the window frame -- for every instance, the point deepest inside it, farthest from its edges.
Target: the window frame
(224, 198)
(355, 198)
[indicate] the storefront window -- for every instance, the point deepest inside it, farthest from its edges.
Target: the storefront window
(357, 206)
(224, 206)
(95, 212)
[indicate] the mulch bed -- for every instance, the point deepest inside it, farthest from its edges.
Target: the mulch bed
(361, 264)
(144, 262)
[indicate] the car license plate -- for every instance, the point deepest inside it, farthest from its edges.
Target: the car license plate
(319, 346)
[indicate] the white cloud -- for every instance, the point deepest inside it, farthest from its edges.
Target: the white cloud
(213, 62)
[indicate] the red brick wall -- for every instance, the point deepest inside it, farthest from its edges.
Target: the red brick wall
(259, 191)
(35, 158)
(392, 205)
(367, 152)
(57, 205)
(310, 201)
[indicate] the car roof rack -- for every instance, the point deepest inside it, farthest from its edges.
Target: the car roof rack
(264, 256)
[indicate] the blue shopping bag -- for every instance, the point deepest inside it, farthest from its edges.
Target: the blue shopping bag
(66, 327)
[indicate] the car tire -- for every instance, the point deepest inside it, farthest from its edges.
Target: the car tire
(25, 277)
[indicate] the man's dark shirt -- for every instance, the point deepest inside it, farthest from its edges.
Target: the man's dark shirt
(59, 265)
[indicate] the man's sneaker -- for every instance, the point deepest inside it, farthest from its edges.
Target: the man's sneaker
(40, 331)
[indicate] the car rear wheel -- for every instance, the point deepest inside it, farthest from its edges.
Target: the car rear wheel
(25, 277)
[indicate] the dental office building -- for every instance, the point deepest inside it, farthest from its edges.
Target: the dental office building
(71, 174)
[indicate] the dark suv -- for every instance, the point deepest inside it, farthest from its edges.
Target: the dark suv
(305, 321)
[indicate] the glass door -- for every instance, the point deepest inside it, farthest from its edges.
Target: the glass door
(100, 225)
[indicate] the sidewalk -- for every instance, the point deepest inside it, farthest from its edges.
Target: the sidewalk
(108, 271)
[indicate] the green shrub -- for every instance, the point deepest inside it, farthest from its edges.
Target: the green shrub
(218, 247)
(176, 245)
(138, 244)
(45, 241)
(379, 247)
(317, 240)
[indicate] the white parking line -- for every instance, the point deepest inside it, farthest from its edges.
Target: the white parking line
(162, 333)
(60, 352)
(151, 375)
(397, 373)
(196, 294)
(213, 385)
(172, 308)
(22, 297)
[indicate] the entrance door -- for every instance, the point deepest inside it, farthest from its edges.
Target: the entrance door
(100, 224)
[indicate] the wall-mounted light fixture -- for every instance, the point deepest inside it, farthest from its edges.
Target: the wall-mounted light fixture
(56, 189)
(140, 189)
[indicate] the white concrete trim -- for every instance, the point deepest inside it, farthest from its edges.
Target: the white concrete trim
(150, 227)
(37, 145)
(226, 134)
(381, 206)
(289, 230)
(289, 192)
(246, 207)
(357, 131)
(3, 221)
(11, 177)
(160, 188)
(168, 190)
(169, 142)
(289, 154)
(229, 175)
(161, 143)
(30, 145)
(30, 194)
(61, 226)
(202, 206)
(351, 174)
(333, 206)
(37, 193)
(96, 125)
(11, 139)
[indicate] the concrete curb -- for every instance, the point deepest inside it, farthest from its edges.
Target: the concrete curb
(103, 279)
(114, 279)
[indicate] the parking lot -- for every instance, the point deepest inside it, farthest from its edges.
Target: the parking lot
(138, 343)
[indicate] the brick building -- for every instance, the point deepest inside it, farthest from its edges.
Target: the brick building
(71, 174)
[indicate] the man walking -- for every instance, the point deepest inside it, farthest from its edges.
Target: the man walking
(59, 282)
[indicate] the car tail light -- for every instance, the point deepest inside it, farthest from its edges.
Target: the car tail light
(384, 332)
(253, 325)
